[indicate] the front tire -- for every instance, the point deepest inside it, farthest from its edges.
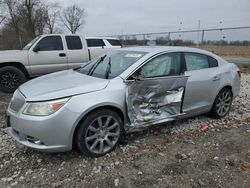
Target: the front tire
(99, 133)
(11, 78)
(222, 103)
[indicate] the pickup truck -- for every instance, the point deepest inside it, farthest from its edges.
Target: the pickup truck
(45, 54)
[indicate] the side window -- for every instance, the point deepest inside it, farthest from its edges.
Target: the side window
(73, 42)
(195, 61)
(114, 42)
(50, 43)
(212, 62)
(95, 43)
(163, 65)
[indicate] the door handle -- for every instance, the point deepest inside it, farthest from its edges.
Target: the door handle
(62, 54)
(216, 78)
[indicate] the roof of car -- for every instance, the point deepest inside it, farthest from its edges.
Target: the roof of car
(102, 38)
(159, 49)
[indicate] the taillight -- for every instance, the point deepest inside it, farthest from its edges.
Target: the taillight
(239, 73)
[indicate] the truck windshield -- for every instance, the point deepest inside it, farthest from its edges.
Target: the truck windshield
(111, 65)
(30, 44)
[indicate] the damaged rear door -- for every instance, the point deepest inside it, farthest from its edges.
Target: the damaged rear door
(155, 91)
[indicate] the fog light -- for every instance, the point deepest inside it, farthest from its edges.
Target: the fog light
(39, 142)
(34, 140)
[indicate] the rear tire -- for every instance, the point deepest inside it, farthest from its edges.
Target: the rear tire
(222, 103)
(11, 78)
(99, 133)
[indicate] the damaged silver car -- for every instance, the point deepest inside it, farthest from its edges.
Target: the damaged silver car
(124, 90)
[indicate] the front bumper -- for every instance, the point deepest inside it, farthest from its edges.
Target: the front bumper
(49, 133)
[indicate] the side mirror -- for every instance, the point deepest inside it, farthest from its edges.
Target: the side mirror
(135, 77)
(36, 49)
(132, 79)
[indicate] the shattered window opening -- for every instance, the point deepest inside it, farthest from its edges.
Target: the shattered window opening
(163, 65)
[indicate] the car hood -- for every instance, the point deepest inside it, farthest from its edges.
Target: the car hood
(13, 56)
(10, 51)
(61, 84)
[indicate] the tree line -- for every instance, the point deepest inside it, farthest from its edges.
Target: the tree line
(133, 40)
(22, 20)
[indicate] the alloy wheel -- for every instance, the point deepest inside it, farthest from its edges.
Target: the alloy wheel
(102, 134)
(224, 103)
(9, 80)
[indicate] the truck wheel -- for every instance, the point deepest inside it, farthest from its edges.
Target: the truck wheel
(11, 78)
(99, 133)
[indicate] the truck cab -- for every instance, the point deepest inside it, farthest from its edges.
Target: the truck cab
(45, 54)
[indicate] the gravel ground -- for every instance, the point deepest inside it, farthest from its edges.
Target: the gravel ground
(177, 154)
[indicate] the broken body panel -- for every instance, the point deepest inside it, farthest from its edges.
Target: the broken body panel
(155, 100)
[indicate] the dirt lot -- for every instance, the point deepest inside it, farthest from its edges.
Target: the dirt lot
(172, 155)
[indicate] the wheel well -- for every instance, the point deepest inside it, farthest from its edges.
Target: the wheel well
(16, 64)
(115, 109)
(228, 87)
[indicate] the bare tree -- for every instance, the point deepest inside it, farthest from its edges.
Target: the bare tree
(40, 17)
(73, 18)
(14, 19)
(33, 15)
(53, 17)
(2, 16)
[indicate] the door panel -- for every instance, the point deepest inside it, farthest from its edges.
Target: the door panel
(155, 100)
(203, 83)
(50, 56)
(201, 90)
(77, 51)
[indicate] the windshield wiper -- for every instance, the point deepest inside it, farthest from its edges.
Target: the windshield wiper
(92, 69)
(108, 70)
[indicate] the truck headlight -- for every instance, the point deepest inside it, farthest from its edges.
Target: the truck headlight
(44, 108)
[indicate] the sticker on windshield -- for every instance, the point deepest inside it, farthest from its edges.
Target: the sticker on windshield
(133, 55)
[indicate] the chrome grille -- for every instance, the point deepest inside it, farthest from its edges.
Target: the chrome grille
(17, 101)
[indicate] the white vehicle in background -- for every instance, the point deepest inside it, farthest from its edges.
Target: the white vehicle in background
(46, 54)
(96, 45)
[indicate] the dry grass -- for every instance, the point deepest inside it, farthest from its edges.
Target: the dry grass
(233, 51)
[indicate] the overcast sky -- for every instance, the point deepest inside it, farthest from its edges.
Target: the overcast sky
(109, 17)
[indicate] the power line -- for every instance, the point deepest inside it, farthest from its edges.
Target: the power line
(184, 31)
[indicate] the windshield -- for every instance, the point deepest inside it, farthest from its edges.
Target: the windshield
(111, 65)
(28, 46)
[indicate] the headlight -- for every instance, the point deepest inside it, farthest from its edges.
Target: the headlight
(44, 108)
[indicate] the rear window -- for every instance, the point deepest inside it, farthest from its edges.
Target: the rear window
(73, 42)
(212, 62)
(114, 42)
(195, 61)
(95, 43)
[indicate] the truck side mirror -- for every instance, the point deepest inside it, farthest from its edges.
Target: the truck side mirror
(36, 49)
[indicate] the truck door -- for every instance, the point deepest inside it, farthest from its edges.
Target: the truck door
(157, 95)
(77, 51)
(47, 56)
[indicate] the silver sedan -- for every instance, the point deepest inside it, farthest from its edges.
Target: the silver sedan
(125, 90)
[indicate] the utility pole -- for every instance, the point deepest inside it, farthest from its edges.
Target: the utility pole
(199, 27)
(122, 36)
(202, 37)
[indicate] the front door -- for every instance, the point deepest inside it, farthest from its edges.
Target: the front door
(48, 56)
(157, 95)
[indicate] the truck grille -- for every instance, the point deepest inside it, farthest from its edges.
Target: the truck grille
(17, 101)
